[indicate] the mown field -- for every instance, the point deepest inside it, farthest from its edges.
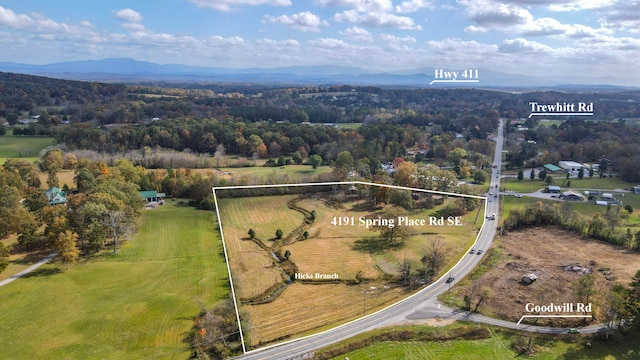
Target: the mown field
(351, 251)
(26, 147)
(498, 346)
(137, 304)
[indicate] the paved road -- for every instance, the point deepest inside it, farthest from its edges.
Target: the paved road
(28, 270)
(421, 305)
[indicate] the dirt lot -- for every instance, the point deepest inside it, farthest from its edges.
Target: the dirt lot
(546, 252)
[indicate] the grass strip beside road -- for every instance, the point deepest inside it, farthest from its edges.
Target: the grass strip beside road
(139, 303)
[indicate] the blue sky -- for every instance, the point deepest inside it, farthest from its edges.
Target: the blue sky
(591, 38)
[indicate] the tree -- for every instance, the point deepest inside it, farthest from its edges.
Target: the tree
(456, 156)
(591, 172)
(252, 234)
(66, 247)
(434, 258)
(542, 175)
(4, 257)
(315, 161)
(279, 234)
(52, 178)
(305, 235)
(521, 174)
(405, 269)
(532, 174)
(584, 288)
(548, 180)
(287, 253)
(480, 176)
(580, 173)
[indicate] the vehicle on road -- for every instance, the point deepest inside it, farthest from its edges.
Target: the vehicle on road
(473, 251)
(574, 331)
(518, 195)
(479, 252)
(450, 279)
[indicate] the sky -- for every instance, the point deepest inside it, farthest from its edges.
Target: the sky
(551, 38)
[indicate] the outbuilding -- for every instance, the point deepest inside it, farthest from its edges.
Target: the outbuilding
(553, 189)
(570, 166)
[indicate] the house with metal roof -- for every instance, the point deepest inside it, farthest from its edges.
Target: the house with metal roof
(151, 196)
(56, 196)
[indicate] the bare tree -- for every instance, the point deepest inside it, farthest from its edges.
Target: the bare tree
(435, 255)
(405, 269)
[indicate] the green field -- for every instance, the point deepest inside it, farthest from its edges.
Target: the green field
(137, 304)
(498, 346)
(527, 185)
(26, 147)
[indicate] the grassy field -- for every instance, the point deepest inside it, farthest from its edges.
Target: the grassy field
(331, 248)
(293, 172)
(528, 185)
(252, 266)
(26, 147)
(498, 346)
(137, 304)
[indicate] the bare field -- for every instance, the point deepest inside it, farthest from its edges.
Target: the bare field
(304, 307)
(252, 267)
(545, 252)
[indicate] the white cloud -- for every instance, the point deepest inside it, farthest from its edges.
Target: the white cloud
(412, 6)
(229, 5)
(621, 15)
(377, 19)
(357, 34)
(304, 21)
(359, 5)
(487, 13)
(397, 39)
(128, 15)
(521, 45)
(572, 5)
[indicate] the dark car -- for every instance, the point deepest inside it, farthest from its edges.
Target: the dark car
(473, 251)
(450, 279)
(478, 252)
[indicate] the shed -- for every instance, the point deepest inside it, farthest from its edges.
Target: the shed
(636, 189)
(530, 278)
(570, 195)
(551, 168)
(554, 189)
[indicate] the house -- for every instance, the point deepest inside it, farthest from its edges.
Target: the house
(570, 166)
(151, 196)
(636, 189)
(56, 196)
(529, 279)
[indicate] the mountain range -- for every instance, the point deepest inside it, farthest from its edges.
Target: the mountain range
(130, 70)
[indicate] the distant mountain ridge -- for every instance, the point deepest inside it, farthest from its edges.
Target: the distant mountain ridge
(124, 69)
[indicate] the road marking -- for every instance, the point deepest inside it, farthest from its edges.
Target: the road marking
(552, 316)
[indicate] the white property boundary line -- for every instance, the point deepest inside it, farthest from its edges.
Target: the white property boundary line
(552, 316)
(226, 256)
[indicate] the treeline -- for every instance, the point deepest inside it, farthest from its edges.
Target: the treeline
(612, 145)
(601, 226)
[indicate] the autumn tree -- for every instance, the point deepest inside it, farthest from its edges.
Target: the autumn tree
(65, 245)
